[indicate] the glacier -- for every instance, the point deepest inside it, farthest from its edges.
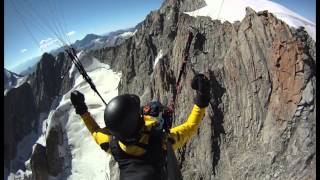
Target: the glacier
(234, 10)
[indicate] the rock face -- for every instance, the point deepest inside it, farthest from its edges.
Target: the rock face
(50, 79)
(44, 83)
(62, 67)
(24, 104)
(185, 5)
(39, 163)
(19, 119)
(50, 82)
(53, 141)
(261, 121)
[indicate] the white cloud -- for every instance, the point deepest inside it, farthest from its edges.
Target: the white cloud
(23, 50)
(71, 33)
(45, 43)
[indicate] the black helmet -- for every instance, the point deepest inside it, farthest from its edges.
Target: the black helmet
(123, 118)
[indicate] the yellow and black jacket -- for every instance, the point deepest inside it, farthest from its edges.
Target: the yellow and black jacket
(180, 135)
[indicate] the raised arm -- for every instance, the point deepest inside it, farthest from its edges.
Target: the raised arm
(99, 134)
(184, 132)
(90, 123)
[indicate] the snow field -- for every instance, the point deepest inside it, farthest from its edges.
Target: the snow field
(159, 56)
(88, 160)
(234, 10)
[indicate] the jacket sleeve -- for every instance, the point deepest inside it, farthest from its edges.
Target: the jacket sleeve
(100, 135)
(182, 133)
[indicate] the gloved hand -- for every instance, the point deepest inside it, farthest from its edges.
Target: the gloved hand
(77, 99)
(201, 84)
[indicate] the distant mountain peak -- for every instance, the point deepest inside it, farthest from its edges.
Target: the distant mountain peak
(11, 79)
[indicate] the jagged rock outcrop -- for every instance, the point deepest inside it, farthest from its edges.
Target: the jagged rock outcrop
(62, 66)
(20, 119)
(54, 158)
(50, 80)
(24, 104)
(52, 74)
(10, 78)
(44, 83)
(39, 163)
(260, 122)
(185, 5)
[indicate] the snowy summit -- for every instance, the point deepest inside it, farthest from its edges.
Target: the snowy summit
(234, 10)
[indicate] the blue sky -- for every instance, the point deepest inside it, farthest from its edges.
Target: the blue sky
(83, 17)
(306, 8)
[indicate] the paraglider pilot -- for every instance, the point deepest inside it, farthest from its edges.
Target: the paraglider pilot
(131, 137)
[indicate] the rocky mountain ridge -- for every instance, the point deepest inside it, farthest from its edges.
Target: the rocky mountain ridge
(262, 73)
(10, 79)
(25, 103)
(261, 120)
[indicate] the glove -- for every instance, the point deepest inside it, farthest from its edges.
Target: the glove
(77, 99)
(201, 84)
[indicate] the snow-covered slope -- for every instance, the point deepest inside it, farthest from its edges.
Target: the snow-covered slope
(159, 56)
(24, 149)
(84, 159)
(234, 10)
(12, 80)
(88, 160)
